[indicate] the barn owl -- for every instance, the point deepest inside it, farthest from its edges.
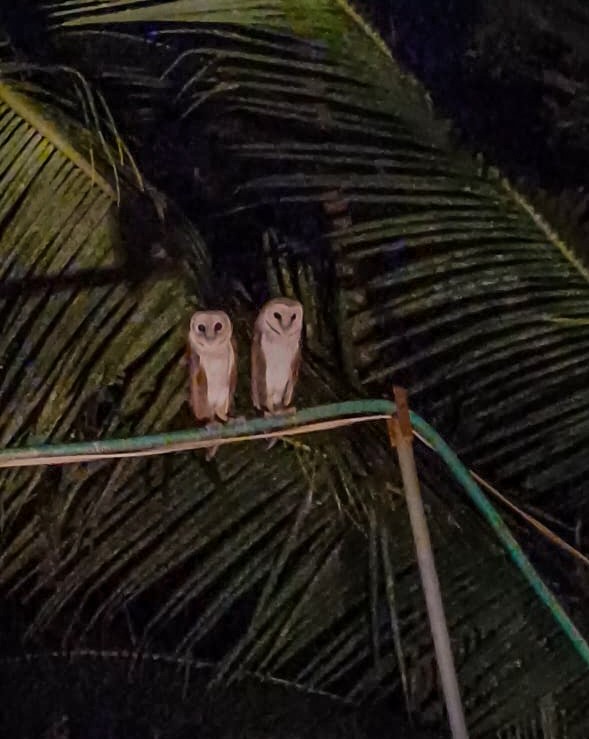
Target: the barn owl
(213, 367)
(276, 356)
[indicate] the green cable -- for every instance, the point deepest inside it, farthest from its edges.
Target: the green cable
(367, 408)
(250, 427)
(514, 550)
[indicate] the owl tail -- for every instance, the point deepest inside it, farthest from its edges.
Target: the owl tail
(211, 451)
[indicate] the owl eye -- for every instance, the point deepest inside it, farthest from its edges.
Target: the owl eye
(294, 315)
(202, 328)
(277, 316)
(218, 326)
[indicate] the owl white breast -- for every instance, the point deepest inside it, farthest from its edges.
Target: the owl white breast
(278, 357)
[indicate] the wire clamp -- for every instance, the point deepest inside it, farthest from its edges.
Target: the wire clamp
(399, 426)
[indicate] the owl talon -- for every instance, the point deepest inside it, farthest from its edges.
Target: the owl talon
(280, 412)
(272, 442)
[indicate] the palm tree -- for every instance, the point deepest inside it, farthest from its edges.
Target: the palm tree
(264, 148)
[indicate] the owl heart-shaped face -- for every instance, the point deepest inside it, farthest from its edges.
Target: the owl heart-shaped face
(283, 316)
(210, 328)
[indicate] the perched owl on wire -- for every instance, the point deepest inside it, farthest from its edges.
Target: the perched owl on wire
(276, 356)
(213, 367)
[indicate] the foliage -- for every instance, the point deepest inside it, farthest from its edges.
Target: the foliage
(321, 172)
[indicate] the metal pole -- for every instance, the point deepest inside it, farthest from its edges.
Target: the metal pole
(401, 436)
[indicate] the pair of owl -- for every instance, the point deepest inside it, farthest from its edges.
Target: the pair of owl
(275, 361)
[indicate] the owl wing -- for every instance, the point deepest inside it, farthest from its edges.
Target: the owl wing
(232, 371)
(258, 380)
(198, 389)
(294, 376)
(185, 358)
